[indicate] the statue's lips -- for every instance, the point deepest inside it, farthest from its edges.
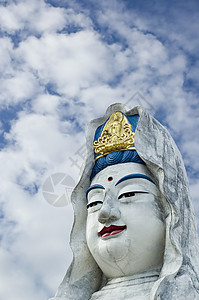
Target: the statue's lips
(111, 230)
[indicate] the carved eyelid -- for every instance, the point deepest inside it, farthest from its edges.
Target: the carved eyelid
(96, 187)
(94, 203)
(131, 193)
(94, 197)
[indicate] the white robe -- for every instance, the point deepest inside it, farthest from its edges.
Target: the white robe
(136, 287)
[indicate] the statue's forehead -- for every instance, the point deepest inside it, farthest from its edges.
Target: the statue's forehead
(112, 174)
(124, 178)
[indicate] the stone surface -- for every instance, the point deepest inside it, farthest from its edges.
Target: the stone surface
(178, 277)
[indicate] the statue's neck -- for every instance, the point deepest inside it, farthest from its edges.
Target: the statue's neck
(135, 287)
(150, 276)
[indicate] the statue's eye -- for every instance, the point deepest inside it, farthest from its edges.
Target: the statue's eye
(130, 194)
(94, 203)
(125, 195)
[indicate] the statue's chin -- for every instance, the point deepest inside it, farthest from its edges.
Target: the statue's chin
(117, 257)
(114, 249)
(112, 256)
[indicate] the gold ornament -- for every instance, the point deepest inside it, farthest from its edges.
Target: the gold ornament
(117, 135)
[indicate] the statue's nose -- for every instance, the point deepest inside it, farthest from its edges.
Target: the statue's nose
(109, 211)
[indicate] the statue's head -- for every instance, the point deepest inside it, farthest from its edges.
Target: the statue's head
(132, 210)
(125, 223)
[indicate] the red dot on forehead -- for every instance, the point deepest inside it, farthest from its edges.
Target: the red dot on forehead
(110, 178)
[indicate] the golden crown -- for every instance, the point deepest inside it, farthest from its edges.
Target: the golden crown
(117, 135)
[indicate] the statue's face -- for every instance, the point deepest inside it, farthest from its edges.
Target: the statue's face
(125, 226)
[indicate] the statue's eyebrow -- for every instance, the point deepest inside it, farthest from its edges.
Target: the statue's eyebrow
(94, 186)
(130, 176)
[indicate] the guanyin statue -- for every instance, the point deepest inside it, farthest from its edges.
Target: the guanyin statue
(134, 235)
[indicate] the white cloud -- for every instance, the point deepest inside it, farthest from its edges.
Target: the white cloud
(5, 50)
(31, 15)
(32, 256)
(18, 88)
(37, 142)
(46, 104)
(71, 62)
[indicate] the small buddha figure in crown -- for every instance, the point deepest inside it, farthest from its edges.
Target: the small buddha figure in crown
(116, 124)
(115, 136)
(134, 235)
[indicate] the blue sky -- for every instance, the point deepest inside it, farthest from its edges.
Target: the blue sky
(62, 64)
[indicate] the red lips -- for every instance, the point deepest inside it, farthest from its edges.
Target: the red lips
(111, 230)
